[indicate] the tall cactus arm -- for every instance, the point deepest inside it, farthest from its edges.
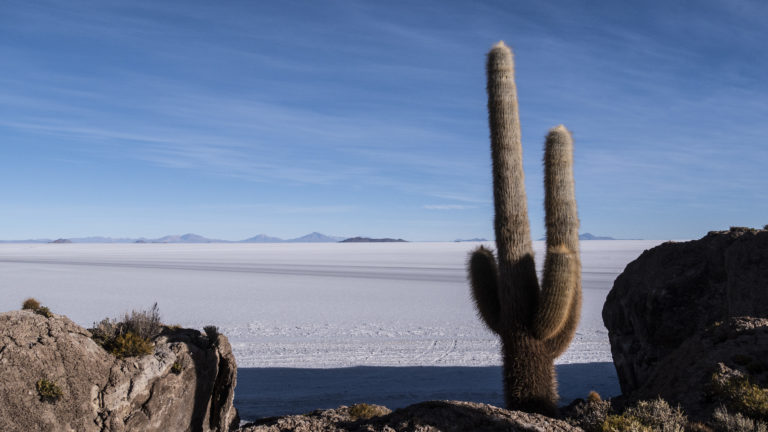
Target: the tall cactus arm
(518, 286)
(561, 281)
(483, 278)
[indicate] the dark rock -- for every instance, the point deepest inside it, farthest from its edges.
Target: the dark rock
(732, 349)
(677, 290)
(187, 384)
(434, 416)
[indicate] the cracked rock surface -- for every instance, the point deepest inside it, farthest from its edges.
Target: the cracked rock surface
(102, 393)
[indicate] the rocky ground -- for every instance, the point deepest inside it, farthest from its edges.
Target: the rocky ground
(434, 416)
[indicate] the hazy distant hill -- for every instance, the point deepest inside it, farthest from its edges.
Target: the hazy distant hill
(588, 236)
(98, 239)
(262, 238)
(315, 237)
(187, 238)
(471, 240)
(371, 240)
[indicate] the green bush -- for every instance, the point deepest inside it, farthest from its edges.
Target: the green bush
(647, 416)
(742, 396)
(366, 411)
(590, 414)
(130, 337)
(623, 423)
(34, 305)
(44, 311)
(177, 368)
(30, 304)
(48, 390)
(725, 421)
(129, 345)
(145, 323)
(211, 331)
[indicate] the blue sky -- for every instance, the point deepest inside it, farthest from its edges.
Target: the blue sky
(230, 119)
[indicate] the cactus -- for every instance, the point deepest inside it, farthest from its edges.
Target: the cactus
(535, 324)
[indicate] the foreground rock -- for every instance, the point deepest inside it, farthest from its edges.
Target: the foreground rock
(187, 384)
(677, 290)
(435, 416)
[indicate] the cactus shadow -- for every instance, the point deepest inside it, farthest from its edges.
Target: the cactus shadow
(267, 392)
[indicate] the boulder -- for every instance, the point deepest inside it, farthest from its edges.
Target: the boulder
(434, 416)
(676, 290)
(694, 374)
(187, 384)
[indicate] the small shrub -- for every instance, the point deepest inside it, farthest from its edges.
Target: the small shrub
(130, 337)
(44, 311)
(129, 345)
(211, 331)
(623, 423)
(725, 421)
(651, 416)
(105, 331)
(366, 411)
(48, 390)
(742, 396)
(177, 368)
(34, 305)
(30, 304)
(590, 414)
(145, 323)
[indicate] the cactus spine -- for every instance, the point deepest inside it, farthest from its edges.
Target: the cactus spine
(535, 324)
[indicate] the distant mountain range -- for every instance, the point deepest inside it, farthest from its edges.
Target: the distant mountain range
(372, 240)
(314, 237)
(588, 236)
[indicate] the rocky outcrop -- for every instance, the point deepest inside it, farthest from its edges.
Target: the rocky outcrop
(435, 416)
(691, 374)
(187, 384)
(676, 290)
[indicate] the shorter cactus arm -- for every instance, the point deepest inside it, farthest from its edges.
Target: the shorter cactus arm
(558, 343)
(483, 277)
(562, 265)
(561, 215)
(557, 294)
